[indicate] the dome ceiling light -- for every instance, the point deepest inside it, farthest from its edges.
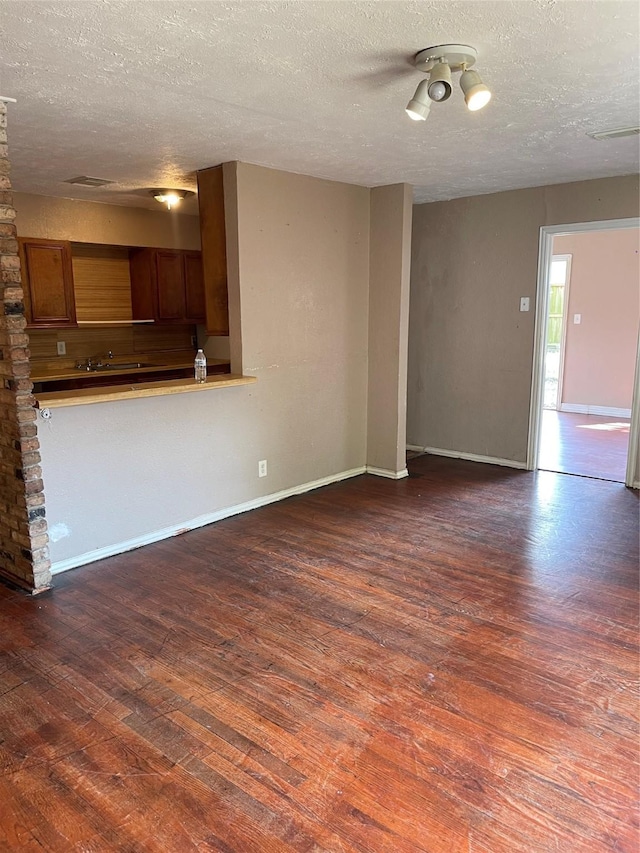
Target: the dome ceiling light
(439, 62)
(170, 197)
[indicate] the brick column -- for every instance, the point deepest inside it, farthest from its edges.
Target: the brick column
(24, 551)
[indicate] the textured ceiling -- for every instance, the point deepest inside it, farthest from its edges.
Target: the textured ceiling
(146, 93)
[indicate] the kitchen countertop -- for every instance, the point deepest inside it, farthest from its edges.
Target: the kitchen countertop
(109, 393)
(51, 373)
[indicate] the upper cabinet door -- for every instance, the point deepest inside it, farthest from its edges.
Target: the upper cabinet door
(171, 291)
(47, 279)
(194, 287)
(144, 290)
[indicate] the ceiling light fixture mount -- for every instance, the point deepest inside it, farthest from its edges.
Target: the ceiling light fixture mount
(170, 197)
(457, 56)
(439, 62)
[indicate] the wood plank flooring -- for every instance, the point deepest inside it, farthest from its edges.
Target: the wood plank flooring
(446, 663)
(588, 445)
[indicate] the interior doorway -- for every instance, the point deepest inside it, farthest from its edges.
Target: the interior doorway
(585, 379)
(559, 284)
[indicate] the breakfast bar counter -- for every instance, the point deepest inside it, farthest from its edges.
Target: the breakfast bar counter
(109, 393)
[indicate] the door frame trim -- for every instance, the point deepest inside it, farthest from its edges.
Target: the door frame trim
(567, 257)
(634, 429)
(545, 252)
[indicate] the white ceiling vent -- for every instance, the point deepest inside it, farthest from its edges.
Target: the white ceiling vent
(616, 133)
(86, 181)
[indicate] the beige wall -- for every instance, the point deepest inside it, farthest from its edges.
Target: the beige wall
(119, 472)
(600, 352)
(470, 348)
(389, 263)
(301, 305)
(111, 224)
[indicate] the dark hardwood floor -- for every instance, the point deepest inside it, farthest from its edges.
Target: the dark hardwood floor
(589, 445)
(445, 663)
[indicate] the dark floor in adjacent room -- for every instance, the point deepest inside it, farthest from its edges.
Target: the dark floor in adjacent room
(589, 445)
(445, 663)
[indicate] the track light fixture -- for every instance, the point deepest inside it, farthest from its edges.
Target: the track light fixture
(439, 62)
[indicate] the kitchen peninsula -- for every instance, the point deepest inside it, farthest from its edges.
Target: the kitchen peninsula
(125, 320)
(111, 393)
(101, 357)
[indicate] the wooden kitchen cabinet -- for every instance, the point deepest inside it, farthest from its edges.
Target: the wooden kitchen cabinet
(47, 280)
(194, 287)
(214, 249)
(171, 289)
(144, 295)
(167, 286)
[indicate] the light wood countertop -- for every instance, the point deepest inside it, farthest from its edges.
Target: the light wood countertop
(109, 393)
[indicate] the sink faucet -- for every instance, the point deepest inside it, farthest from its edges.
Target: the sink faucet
(94, 362)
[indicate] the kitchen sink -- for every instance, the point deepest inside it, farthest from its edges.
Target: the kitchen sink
(129, 365)
(132, 365)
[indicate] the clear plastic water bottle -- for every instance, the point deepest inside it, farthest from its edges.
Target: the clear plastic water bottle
(200, 366)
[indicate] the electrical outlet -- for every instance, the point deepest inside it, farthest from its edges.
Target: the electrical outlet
(577, 319)
(262, 468)
(524, 303)
(61, 347)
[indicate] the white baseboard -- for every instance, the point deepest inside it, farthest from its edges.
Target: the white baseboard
(471, 457)
(387, 472)
(604, 411)
(415, 447)
(200, 521)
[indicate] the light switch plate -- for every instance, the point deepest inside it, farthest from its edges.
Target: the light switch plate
(577, 319)
(61, 347)
(524, 303)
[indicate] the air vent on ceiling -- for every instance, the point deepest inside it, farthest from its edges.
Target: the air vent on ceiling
(616, 133)
(86, 181)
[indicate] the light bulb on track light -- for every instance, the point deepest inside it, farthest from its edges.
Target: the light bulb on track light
(440, 82)
(419, 106)
(476, 94)
(437, 91)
